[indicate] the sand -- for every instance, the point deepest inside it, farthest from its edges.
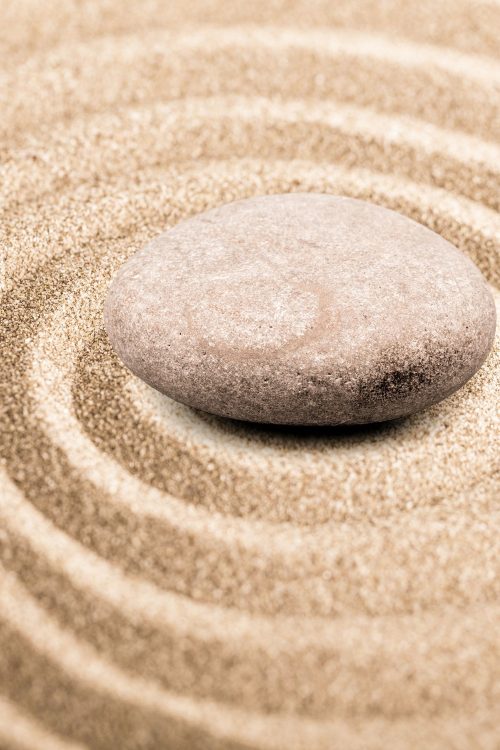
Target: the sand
(172, 580)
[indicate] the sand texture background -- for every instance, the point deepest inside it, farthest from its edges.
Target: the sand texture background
(170, 580)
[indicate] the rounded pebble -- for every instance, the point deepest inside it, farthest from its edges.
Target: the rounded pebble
(302, 309)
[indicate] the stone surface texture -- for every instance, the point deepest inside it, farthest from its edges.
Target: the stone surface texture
(304, 309)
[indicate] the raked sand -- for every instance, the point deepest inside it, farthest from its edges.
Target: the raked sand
(172, 580)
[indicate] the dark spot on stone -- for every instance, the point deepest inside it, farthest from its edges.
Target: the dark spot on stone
(403, 380)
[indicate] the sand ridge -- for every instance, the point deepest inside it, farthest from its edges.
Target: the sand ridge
(170, 580)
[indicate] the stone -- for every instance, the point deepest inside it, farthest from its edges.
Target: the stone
(302, 309)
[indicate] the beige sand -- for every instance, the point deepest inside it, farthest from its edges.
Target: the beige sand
(170, 580)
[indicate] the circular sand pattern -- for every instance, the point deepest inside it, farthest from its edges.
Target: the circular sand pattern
(172, 580)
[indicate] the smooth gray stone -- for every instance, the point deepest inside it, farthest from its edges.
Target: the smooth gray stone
(301, 309)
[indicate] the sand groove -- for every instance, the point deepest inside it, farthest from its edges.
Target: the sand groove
(170, 580)
(461, 90)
